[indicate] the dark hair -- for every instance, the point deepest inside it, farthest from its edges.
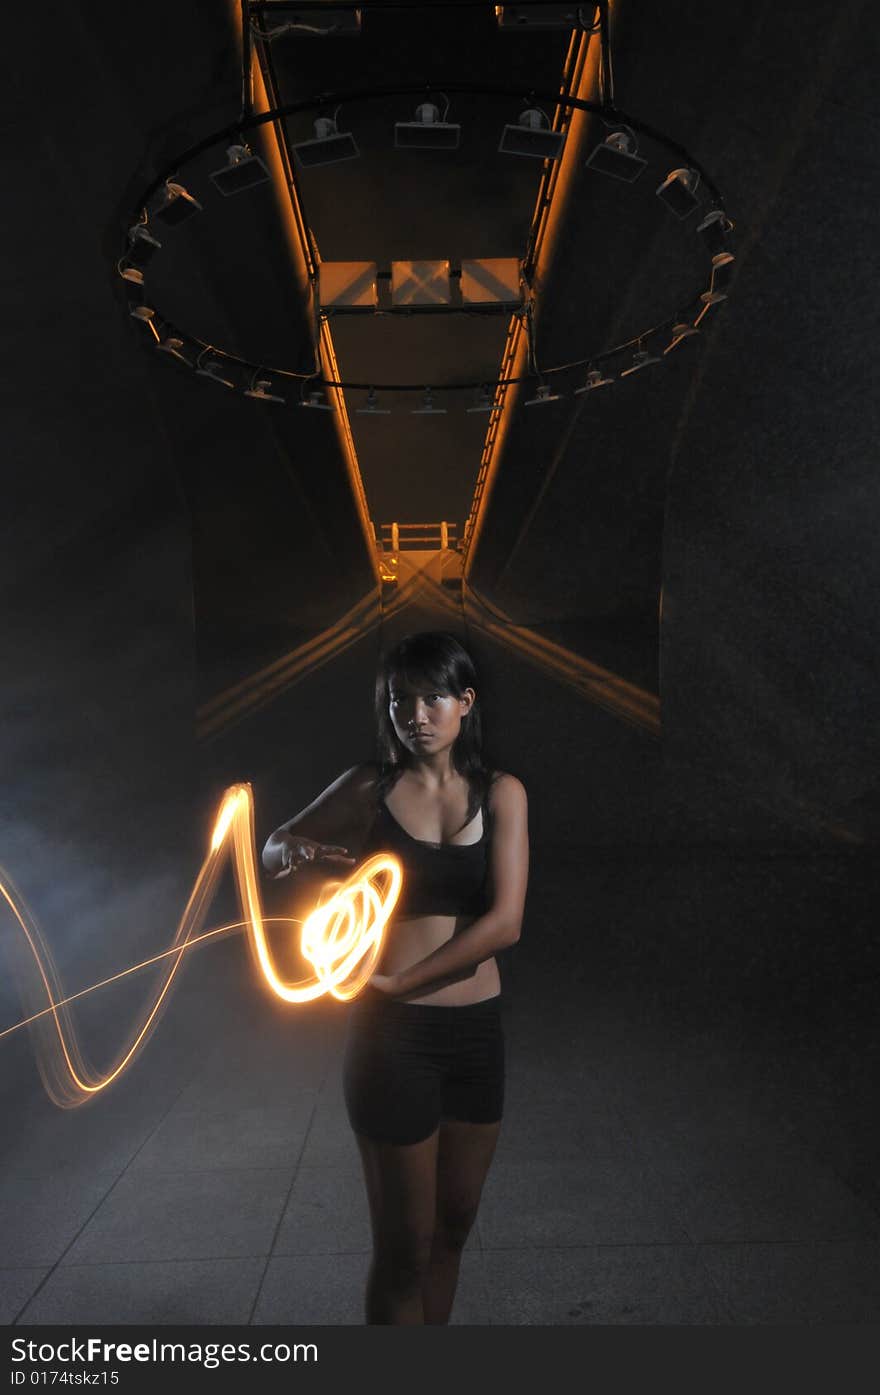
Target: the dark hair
(435, 659)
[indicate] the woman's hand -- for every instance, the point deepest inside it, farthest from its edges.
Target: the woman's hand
(297, 852)
(386, 983)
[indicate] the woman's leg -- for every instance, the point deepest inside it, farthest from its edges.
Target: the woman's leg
(464, 1154)
(401, 1181)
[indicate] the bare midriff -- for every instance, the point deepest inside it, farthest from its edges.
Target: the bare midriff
(410, 939)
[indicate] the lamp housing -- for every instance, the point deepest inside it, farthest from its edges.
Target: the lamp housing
(142, 248)
(594, 380)
(427, 132)
(175, 204)
(217, 371)
(243, 170)
(260, 391)
(542, 394)
(483, 402)
(427, 408)
(616, 156)
(641, 359)
(371, 407)
(176, 346)
(538, 16)
(329, 147)
(531, 136)
(713, 230)
(678, 191)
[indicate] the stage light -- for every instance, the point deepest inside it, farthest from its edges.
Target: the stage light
(427, 132)
(483, 401)
(216, 371)
(176, 346)
(681, 330)
(313, 399)
(616, 156)
(594, 380)
(540, 16)
(242, 171)
(329, 146)
(138, 305)
(175, 204)
(341, 23)
(142, 248)
(531, 135)
(371, 407)
(427, 408)
(678, 191)
(260, 391)
(713, 230)
(722, 275)
(641, 359)
(543, 394)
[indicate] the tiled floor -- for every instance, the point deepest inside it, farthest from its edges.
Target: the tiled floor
(650, 1170)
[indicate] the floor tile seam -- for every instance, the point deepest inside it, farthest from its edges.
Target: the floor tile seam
(595, 1245)
(609, 1245)
(698, 1245)
(811, 1243)
(208, 1111)
(46, 1277)
(177, 1259)
(147, 1171)
(12, 1177)
(689, 1244)
(363, 1251)
(790, 1239)
(283, 1211)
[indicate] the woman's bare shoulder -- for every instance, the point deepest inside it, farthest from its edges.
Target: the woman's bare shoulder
(505, 789)
(358, 782)
(348, 790)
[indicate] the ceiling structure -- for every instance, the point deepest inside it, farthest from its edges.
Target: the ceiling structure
(740, 474)
(400, 205)
(610, 261)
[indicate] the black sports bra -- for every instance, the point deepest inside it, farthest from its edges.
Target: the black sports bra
(438, 878)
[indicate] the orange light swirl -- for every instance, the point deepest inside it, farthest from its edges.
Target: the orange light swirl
(341, 938)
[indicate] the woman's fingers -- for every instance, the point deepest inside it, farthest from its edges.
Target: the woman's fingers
(298, 852)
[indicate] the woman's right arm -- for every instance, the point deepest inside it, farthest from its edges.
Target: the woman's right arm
(320, 830)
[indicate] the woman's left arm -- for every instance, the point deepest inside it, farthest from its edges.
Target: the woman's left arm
(500, 926)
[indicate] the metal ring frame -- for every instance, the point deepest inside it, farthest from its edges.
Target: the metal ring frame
(234, 132)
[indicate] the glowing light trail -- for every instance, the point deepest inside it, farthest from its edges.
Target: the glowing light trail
(341, 938)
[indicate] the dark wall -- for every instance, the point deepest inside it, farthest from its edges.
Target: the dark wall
(737, 476)
(138, 508)
(770, 628)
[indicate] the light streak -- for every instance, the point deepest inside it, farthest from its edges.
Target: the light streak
(341, 938)
(579, 76)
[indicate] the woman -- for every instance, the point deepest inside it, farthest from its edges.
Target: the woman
(424, 1058)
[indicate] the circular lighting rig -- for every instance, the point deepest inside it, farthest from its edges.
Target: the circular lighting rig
(686, 190)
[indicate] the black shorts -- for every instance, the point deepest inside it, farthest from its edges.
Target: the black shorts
(409, 1065)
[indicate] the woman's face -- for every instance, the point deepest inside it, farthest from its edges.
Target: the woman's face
(426, 720)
